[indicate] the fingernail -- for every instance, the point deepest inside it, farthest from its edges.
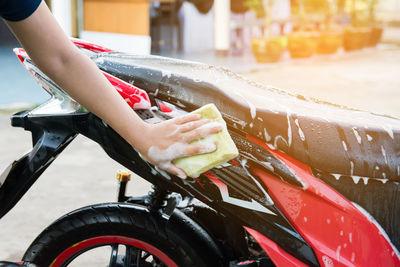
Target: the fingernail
(207, 148)
(180, 173)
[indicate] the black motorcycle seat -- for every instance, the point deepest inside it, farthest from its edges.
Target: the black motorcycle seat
(327, 137)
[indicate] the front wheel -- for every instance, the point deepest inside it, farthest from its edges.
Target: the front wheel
(120, 235)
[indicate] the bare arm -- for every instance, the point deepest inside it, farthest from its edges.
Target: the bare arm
(55, 55)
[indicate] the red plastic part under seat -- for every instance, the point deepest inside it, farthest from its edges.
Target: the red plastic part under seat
(92, 47)
(339, 233)
(278, 256)
(134, 96)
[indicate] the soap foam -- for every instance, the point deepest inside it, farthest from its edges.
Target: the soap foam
(163, 157)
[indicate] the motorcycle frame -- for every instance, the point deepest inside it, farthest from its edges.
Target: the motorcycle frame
(285, 237)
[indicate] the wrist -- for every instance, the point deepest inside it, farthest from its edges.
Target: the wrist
(140, 135)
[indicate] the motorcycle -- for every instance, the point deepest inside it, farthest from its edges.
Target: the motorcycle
(314, 185)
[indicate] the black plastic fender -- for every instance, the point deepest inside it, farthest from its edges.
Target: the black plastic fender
(109, 218)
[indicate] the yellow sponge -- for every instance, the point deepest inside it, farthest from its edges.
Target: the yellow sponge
(226, 148)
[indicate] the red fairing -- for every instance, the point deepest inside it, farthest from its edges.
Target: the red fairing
(91, 47)
(134, 96)
(339, 232)
(21, 54)
(276, 254)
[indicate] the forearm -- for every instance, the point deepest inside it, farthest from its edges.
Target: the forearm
(56, 56)
(87, 85)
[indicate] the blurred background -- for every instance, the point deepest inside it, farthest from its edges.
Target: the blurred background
(342, 51)
(318, 48)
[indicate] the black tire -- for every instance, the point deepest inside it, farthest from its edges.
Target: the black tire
(180, 238)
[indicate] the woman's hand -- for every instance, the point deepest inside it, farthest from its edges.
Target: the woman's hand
(166, 141)
(58, 58)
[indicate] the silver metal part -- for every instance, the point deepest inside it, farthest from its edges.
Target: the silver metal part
(60, 102)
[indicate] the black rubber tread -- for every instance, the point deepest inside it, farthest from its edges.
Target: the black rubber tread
(177, 236)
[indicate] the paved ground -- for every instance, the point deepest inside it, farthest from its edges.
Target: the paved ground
(83, 174)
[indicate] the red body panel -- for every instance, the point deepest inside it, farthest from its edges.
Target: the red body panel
(277, 255)
(339, 233)
(89, 46)
(134, 96)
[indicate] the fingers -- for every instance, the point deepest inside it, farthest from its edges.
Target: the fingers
(199, 149)
(189, 126)
(202, 131)
(187, 118)
(176, 171)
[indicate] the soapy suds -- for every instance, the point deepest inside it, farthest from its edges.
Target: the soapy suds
(301, 134)
(351, 167)
(337, 176)
(353, 256)
(344, 145)
(276, 139)
(365, 180)
(388, 129)
(384, 154)
(253, 111)
(269, 200)
(268, 165)
(327, 261)
(142, 104)
(369, 137)
(164, 173)
(378, 226)
(166, 73)
(289, 130)
(267, 136)
(163, 157)
(350, 237)
(338, 253)
(356, 179)
(357, 135)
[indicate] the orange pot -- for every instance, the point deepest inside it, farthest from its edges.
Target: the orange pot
(302, 44)
(267, 50)
(355, 38)
(375, 35)
(329, 42)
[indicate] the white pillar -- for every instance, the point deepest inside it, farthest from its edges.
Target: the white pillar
(62, 12)
(222, 11)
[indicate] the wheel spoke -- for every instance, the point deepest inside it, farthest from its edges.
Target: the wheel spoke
(138, 257)
(114, 255)
(128, 256)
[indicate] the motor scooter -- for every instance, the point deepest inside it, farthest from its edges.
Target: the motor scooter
(314, 185)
